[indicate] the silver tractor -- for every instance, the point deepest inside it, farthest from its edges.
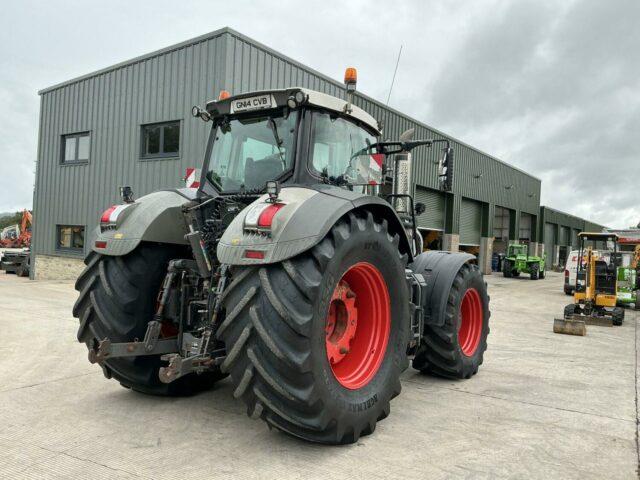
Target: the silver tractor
(295, 268)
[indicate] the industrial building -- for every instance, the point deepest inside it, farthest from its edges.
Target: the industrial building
(130, 124)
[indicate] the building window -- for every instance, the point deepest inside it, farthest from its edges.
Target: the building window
(75, 148)
(70, 237)
(161, 140)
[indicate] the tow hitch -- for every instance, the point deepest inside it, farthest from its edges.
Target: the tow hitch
(185, 353)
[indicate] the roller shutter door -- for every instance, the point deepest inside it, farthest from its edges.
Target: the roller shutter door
(470, 222)
(564, 236)
(549, 238)
(525, 226)
(433, 216)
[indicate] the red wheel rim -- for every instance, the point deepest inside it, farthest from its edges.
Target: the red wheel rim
(357, 325)
(471, 314)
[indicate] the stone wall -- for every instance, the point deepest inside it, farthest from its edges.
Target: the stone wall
(49, 267)
(451, 242)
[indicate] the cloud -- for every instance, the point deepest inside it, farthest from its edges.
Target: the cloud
(551, 87)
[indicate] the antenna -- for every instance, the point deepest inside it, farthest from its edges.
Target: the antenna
(394, 75)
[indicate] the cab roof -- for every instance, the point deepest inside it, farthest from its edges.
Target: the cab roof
(280, 97)
(602, 235)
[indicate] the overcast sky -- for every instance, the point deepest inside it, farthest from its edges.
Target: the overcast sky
(550, 87)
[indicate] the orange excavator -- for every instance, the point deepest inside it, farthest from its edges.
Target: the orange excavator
(18, 261)
(23, 239)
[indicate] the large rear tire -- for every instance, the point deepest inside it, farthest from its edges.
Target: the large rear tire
(456, 349)
(117, 299)
(316, 344)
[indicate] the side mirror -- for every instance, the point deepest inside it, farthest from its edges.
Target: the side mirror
(419, 208)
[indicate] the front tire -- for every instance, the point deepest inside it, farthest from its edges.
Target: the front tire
(456, 349)
(291, 364)
(535, 271)
(506, 269)
(117, 299)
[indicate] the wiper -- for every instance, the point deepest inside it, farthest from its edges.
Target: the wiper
(274, 128)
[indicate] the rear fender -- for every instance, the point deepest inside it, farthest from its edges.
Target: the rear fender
(156, 217)
(305, 219)
(439, 270)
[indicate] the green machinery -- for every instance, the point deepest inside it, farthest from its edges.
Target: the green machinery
(519, 261)
(627, 293)
(629, 280)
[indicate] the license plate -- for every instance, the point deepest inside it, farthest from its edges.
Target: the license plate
(258, 102)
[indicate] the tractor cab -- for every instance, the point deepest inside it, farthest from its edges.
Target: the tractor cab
(518, 250)
(293, 136)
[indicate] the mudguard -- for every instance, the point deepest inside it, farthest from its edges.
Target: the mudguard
(306, 217)
(439, 270)
(156, 217)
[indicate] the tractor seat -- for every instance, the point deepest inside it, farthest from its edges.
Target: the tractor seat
(256, 173)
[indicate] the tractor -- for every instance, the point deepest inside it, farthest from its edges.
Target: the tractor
(295, 268)
(518, 260)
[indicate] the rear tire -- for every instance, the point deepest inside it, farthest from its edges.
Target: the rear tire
(618, 316)
(277, 330)
(541, 274)
(456, 349)
(117, 299)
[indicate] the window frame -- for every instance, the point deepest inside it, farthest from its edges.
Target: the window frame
(63, 148)
(161, 154)
(60, 248)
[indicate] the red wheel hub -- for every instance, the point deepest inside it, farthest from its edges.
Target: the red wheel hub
(357, 325)
(471, 316)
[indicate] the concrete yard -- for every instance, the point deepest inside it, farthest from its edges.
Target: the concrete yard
(542, 406)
